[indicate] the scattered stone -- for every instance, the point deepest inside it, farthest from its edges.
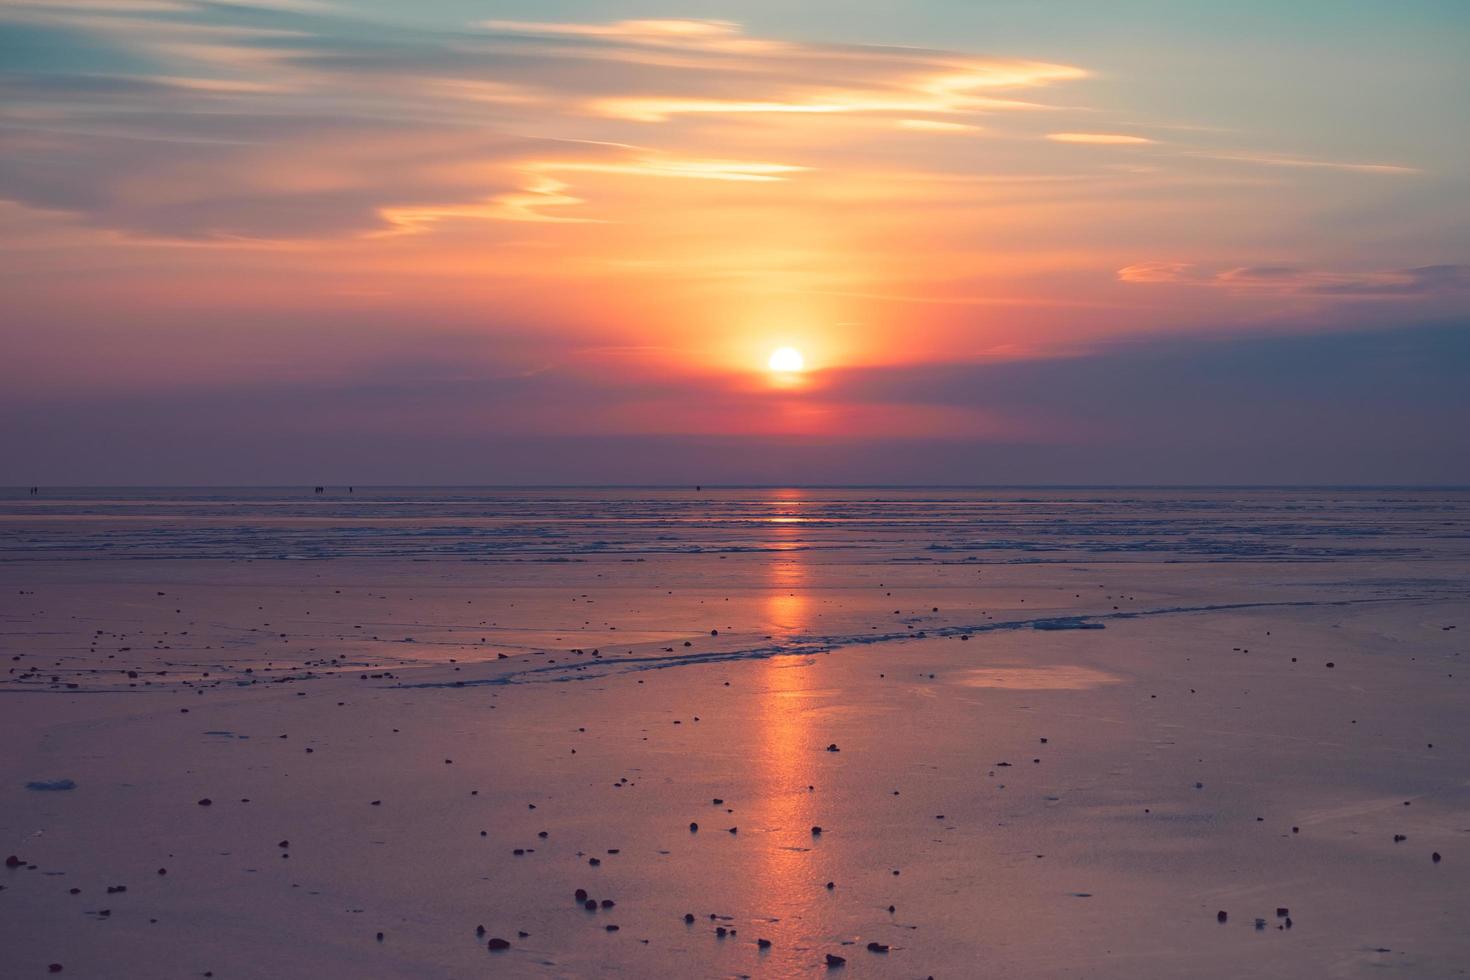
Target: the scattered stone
(497, 943)
(51, 785)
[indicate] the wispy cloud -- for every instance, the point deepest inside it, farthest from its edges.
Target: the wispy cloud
(1286, 279)
(1100, 139)
(289, 120)
(1272, 160)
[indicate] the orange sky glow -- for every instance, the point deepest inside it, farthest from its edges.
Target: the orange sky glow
(643, 209)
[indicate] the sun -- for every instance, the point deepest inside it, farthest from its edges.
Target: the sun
(786, 360)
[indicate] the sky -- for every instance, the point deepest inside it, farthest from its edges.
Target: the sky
(476, 242)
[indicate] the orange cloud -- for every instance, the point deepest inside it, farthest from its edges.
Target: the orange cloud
(1101, 139)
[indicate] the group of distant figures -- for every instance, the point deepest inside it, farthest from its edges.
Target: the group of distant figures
(36, 491)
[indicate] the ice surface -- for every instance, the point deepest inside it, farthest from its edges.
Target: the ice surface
(440, 676)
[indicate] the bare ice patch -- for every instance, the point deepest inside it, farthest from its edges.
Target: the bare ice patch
(1055, 678)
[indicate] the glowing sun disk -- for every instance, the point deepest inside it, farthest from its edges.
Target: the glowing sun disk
(786, 360)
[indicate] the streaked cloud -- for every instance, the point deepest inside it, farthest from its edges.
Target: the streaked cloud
(937, 126)
(1418, 281)
(1100, 139)
(301, 121)
(1272, 160)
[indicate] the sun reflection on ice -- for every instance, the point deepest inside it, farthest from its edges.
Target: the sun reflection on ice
(787, 746)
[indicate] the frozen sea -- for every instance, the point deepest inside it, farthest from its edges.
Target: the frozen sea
(1045, 732)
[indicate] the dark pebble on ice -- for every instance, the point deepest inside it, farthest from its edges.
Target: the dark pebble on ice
(13, 862)
(877, 947)
(498, 943)
(834, 960)
(833, 748)
(688, 917)
(581, 894)
(763, 943)
(206, 802)
(608, 903)
(590, 905)
(1435, 857)
(693, 828)
(816, 831)
(479, 930)
(51, 785)
(611, 928)
(1221, 915)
